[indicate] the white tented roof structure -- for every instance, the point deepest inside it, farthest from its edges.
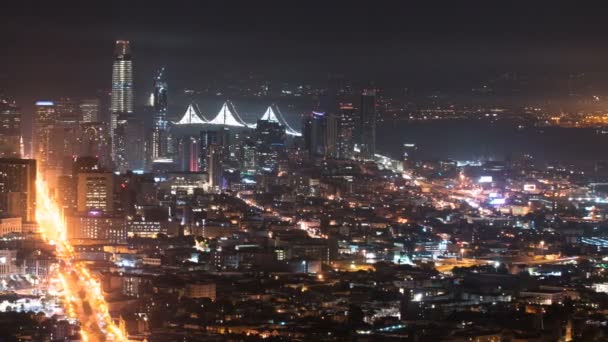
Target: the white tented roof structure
(228, 116)
(191, 117)
(269, 115)
(272, 116)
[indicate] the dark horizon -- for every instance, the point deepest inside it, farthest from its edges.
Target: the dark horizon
(48, 47)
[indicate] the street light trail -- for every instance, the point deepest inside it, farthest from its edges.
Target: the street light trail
(81, 292)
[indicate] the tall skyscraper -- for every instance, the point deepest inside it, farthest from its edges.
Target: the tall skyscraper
(214, 160)
(121, 103)
(269, 138)
(314, 134)
(331, 135)
(346, 131)
(129, 143)
(189, 149)
(90, 110)
(209, 139)
(44, 120)
(366, 125)
(159, 104)
(10, 130)
(18, 188)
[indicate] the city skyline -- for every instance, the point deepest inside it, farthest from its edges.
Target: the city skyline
(192, 171)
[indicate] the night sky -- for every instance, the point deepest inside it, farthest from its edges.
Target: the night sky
(58, 48)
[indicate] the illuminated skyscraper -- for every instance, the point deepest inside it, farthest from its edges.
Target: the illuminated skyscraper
(10, 129)
(45, 118)
(95, 191)
(270, 139)
(122, 90)
(346, 131)
(159, 104)
(366, 125)
(18, 188)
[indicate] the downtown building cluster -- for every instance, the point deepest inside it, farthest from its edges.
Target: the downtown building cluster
(203, 227)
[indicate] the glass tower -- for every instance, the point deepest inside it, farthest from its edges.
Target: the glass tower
(159, 104)
(122, 90)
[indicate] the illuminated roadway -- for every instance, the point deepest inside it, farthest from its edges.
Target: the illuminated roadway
(81, 294)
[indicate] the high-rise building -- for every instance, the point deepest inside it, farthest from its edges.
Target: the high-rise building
(10, 130)
(331, 135)
(159, 105)
(129, 143)
(121, 103)
(95, 192)
(346, 131)
(189, 150)
(44, 121)
(269, 138)
(214, 161)
(208, 139)
(249, 157)
(94, 140)
(314, 133)
(18, 188)
(68, 110)
(366, 125)
(90, 110)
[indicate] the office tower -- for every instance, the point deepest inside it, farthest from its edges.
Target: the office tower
(346, 131)
(64, 136)
(189, 149)
(269, 138)
(95, 192)
(129, 143)
(94, 140)
(18, 188)
(249, 157)
(208, 139)
(366, 126)
(10, 130)
(68, 110)
(44, 121)
(90, 110)
(96, 226)
(159, 105)
(314, 134)
(121, 103)
(214, 162)
(331, 135)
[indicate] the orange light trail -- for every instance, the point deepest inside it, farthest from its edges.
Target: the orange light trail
(81, 292)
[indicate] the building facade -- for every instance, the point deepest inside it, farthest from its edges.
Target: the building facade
(121, 102)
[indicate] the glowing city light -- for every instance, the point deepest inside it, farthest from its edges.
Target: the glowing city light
(80, 291)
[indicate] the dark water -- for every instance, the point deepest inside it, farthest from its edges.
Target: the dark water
(467, 140)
